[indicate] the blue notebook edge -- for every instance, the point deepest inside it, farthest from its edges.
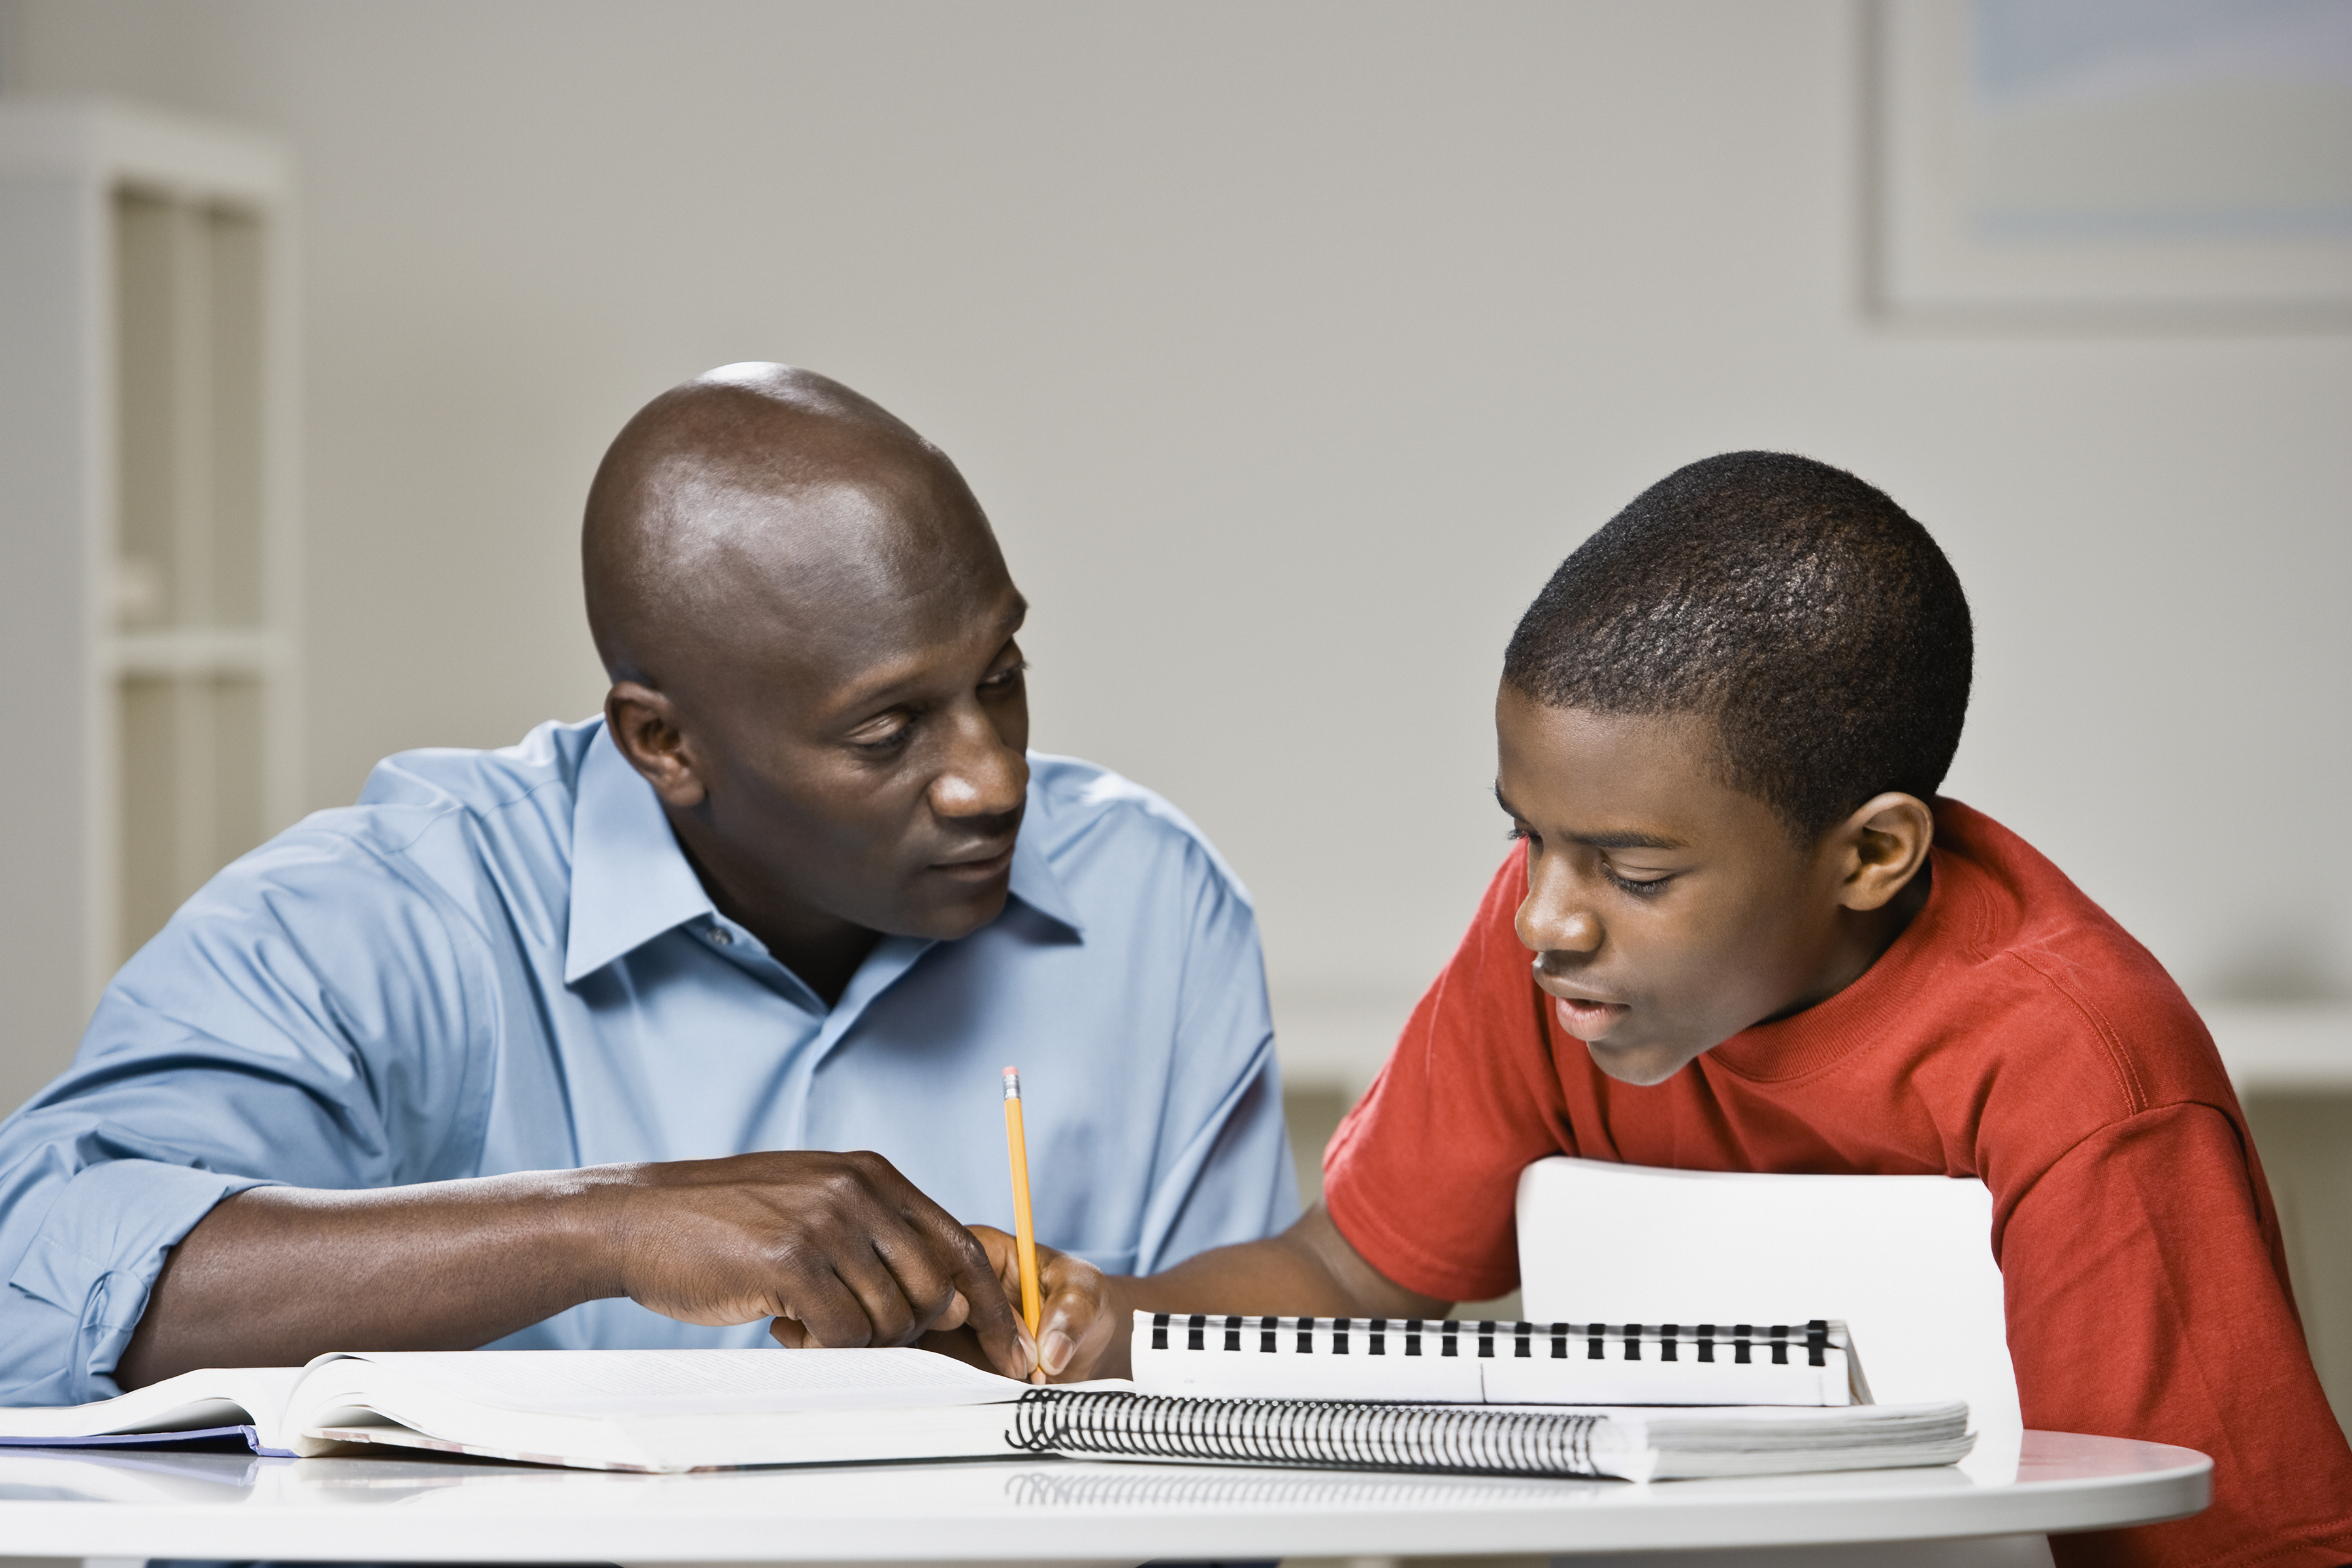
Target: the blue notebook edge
(248, 1435)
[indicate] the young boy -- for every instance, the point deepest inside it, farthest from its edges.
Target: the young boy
(1760, 942)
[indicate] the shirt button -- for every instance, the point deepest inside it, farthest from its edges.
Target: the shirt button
(720, 937)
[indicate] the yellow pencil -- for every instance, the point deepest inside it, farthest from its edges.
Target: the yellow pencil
(1025, 1228)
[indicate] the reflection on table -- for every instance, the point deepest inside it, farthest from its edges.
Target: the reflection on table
(97, 1503)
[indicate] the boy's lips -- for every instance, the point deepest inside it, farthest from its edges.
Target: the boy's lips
(1587, 1020)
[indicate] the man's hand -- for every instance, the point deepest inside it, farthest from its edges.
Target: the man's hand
(839, 1249)
(1310, 1269)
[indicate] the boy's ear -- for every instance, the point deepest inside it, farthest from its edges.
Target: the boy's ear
(1881, 847)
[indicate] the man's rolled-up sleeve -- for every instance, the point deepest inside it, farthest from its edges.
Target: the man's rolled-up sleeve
(85, 1270)
(305, 1019)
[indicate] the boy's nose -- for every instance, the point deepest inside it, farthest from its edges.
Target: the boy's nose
(1577, 933)
(1556, 928)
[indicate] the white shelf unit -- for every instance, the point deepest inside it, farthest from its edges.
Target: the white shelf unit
(147, 541)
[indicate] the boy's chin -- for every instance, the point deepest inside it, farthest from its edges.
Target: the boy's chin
(1641, 1064)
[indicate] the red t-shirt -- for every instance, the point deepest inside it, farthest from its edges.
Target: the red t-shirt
(2013, 1033)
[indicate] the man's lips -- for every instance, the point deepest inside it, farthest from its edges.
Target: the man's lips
(980, 868)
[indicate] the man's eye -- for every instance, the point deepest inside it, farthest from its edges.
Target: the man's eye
(1003, 677)
(1640, 889)
(880, 741)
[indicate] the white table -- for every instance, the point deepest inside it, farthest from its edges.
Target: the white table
(62, 1503)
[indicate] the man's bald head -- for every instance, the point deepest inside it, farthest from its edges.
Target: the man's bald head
(752, 499)
(811, 637)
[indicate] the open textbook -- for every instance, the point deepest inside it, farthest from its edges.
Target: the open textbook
(702, 1409)
(628, 1410)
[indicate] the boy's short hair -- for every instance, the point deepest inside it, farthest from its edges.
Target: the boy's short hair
(1800, 608)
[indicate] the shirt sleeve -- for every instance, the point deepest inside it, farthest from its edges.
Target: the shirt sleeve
(1422, 1175)
(306, 1018)
(1229, 1178)
(2144, 1300)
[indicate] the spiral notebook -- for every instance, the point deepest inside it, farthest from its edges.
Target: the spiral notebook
(1809, 1363)
(1636, 1444)
(1443, 1397)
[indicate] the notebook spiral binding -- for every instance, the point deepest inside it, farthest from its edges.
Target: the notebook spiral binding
(1738, 1342)
(1319, 1434)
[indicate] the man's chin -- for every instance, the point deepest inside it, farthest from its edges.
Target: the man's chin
(949, 913)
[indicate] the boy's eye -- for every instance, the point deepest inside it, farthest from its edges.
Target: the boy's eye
(1640, 888)
(1000, 680)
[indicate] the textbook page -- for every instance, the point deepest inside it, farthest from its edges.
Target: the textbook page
(658, 1410)
(693, 1382)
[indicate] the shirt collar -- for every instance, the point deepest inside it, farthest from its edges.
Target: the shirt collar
(1032, 880)
(631, 882)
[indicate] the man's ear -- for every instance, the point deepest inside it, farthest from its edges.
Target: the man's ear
(1881, 847)
(643, 723)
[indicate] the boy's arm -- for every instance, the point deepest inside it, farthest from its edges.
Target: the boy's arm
(2147, 1298)
(1309, 1269)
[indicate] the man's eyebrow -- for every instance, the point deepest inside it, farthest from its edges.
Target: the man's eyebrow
(876, 695)
(1600, 840)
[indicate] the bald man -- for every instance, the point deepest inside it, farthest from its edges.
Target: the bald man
(681, 1026)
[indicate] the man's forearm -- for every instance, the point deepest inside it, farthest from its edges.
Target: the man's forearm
(275, 1276)
(837, 1249)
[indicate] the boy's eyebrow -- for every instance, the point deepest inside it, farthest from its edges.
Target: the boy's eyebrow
(1626, 840)
(1600, 840)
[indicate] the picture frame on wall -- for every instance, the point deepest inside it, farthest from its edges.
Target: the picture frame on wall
(2111, 162)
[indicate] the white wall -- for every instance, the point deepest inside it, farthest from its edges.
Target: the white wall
(1288, 347)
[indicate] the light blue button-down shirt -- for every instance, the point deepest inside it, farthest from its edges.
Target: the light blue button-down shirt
(501, 961)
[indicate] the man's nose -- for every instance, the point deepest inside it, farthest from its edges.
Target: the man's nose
(984, 776)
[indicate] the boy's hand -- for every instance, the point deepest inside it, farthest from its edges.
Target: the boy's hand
(1082, 1328)
(1088, 1316)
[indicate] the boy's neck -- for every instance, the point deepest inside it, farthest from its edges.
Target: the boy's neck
(1864, 937)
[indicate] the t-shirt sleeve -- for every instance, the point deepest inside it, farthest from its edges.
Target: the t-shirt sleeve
(2144, 1302)
(308, 1017)
(1422, 1175)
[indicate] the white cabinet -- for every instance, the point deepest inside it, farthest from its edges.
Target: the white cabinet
(147, 570)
